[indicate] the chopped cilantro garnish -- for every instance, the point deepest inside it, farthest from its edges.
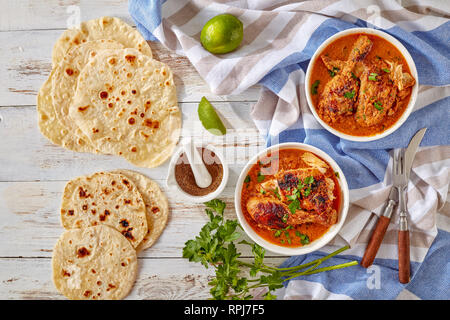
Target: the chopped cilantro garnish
(277, 194)
(247, 179)
(314, 87)
(386, 70)
(304, 239)
(354, 76)
(350, 95)
(307, 192)
(291, 197)
(260, 177)
(294, 205)
(309, 180)
(373, 76)
(378, 105)
(333, 72)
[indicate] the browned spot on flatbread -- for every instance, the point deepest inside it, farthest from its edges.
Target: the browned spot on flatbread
(84, 108)
(130, 58)
(83, 252)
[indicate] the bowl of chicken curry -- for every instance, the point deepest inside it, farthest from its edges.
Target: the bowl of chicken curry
(361, 84)
(291, 198)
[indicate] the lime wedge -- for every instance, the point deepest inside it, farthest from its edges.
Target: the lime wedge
(209, 118)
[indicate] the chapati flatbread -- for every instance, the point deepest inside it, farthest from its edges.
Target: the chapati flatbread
(156, 204)
(126, 103)
(64, 82)
(105, 198)
(96, 29)
(94, 263)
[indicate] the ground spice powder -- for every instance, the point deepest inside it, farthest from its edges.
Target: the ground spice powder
(185, 177)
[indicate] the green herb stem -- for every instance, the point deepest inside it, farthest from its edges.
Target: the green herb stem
(335, 267)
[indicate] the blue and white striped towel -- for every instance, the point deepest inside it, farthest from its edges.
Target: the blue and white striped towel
(279, 39)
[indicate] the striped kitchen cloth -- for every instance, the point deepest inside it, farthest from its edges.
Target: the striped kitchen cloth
(279, 39)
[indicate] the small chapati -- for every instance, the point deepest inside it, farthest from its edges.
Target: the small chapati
(105, 198)
(95, 263)
(156, 204)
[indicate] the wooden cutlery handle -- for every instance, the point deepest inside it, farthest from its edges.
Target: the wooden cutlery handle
(403, 257)
(375, 241)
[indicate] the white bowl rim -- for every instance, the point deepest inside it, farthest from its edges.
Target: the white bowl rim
(197, 199)
(316, 244)
(412, 99)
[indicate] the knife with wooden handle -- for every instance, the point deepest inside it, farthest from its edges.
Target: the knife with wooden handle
(404, 264)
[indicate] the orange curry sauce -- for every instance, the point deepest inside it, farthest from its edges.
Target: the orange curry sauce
(267, 166)
(340, 50)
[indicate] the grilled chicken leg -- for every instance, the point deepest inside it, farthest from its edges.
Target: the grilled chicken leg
(274, 214)
(340, 94)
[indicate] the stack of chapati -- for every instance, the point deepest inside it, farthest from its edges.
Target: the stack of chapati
(106, 94)
(109, 217)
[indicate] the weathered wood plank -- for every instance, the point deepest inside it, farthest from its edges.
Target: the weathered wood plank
(57, 14)
(158, 279)
(31, 219)
(26, 155)
(26, 64)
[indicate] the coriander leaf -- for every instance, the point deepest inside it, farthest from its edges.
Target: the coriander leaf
(378, 105)
(373, 76)
(292, 197)
(217, 205)
(386, 70)
(309, 180)
(247, 179)
(269, 296)
(304, 239)
(307, 192)
(294, 205)
(260, 177)
(350, 95)
(314, 87)
(277, 194)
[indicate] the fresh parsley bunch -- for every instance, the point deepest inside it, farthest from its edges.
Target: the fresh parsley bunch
(215, 247)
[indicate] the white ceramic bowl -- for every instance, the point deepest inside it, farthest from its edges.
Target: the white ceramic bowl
(173, 185)
(314, 245)
(412, 68)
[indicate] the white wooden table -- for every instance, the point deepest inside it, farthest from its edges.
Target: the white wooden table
(33, 171)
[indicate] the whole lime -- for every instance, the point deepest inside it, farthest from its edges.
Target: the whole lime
(222, 34)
